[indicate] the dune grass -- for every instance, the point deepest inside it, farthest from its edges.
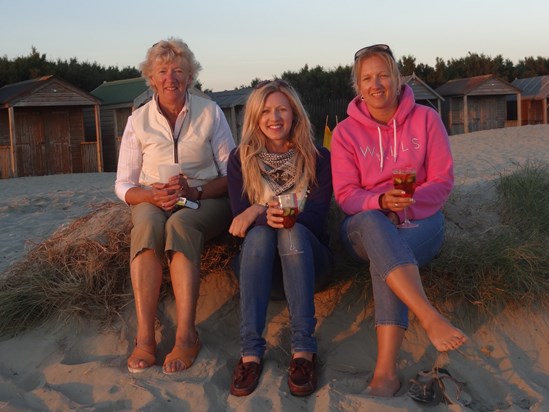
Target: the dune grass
(508, 265)
(82, 271)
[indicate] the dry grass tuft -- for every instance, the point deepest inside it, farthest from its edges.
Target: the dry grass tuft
(82, 271)
(507, 265)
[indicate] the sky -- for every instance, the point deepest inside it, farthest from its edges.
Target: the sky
(241, 40)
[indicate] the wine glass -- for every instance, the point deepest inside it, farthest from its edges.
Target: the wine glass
(405, 179)
(288, 203)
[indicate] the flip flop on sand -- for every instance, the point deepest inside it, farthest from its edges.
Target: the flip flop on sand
(184, 355)
(425, 388)
(452, 389)
(139, 354)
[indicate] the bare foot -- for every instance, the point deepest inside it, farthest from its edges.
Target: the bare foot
(443, 335)
(181, 357)
(141, 358)
(383, 387)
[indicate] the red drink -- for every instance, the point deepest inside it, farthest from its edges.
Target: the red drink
(405, 180)
(290, 215)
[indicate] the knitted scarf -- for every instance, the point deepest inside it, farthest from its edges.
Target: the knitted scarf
(278, 169)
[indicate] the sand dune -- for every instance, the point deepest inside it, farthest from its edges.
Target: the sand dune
(74, 367)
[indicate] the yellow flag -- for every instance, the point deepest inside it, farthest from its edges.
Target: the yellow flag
(327, 137)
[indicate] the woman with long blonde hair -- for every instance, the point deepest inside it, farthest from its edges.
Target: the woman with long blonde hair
(277, 156)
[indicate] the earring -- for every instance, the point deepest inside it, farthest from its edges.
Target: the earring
(398, 92)
(361, 97)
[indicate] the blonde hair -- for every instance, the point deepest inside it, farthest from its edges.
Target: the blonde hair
(168, 51)
(386, 57)
(253, 139)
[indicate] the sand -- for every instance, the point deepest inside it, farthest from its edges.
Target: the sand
(74, 367)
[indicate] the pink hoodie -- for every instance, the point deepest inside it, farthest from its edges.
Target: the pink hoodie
(365, 152)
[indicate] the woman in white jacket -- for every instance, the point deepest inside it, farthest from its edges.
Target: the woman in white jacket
(191, 131)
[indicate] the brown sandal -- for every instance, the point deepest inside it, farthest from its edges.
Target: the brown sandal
(141, 355)
(184, 355)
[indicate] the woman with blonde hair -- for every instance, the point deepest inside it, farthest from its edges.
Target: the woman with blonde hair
(387, 130)
(277, 156)
(179, 128)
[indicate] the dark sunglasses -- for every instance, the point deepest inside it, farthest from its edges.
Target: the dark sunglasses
(277, 82)
(375, 48)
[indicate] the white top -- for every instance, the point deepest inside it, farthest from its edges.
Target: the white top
(204, 141)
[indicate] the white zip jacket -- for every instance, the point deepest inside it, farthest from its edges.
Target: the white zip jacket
(201, 144)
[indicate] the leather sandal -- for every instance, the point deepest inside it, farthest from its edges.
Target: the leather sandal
(302, 376)
(425, 388)
(140, 354)
(245, 378)
(185, 355)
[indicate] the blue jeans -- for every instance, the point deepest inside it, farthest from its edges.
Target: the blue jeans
(371, 237)
(260, 250)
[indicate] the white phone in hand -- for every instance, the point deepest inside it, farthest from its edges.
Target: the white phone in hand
(191, 204)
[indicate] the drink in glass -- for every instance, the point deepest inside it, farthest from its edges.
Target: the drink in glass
(288, 203)
(405, 179)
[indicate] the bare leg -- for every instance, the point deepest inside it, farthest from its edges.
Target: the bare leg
(405, 282)
(246, 359)
(304, 355)
(185, 278)
(385, 381)
(146, 275)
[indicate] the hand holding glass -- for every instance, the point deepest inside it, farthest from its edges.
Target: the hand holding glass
(288, 203)
(405, 179)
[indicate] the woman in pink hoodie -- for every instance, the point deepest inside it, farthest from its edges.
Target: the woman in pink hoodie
(385, 130)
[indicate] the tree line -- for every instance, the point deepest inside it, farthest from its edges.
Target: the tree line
(315, 81)
(84, 75)
(325, 92)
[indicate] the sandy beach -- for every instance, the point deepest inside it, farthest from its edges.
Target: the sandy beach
(505, 365)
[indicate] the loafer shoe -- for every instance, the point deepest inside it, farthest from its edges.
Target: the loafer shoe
(245, 378)
(302, 376)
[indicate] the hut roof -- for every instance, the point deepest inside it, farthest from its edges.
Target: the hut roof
(120, 91)
(231, 98)
(129, 92)
(422, 91)
(476, 85)
(535, 88)
(20, 93)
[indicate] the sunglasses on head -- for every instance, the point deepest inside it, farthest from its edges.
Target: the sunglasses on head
(375, 48)
(277, 82)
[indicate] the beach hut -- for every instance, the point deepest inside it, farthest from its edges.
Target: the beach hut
(534, 99)
(232, 103)
(476, 103)
(423, 94)
(119, 99)
(116, 105)
(42, 129)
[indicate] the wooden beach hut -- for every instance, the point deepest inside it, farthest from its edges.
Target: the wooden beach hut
(116, 105)
(534, 99)
(232, 103)
(42, 129)
(423, 93)
(476, 103)
(119, 99)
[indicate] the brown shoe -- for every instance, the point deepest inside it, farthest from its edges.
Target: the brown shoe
(245, 378)
(302, 376)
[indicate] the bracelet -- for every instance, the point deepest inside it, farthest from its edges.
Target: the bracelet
(380, 201)
(199, 190)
